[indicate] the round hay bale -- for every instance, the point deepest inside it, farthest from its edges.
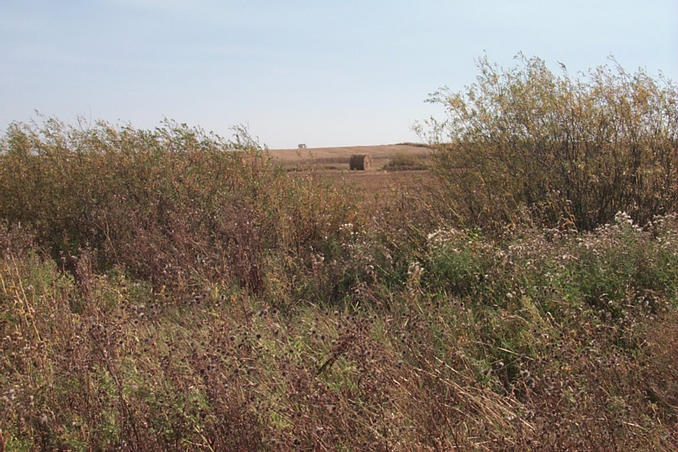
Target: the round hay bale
(360, 162)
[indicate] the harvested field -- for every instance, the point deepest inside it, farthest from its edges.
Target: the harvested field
(374, 185)
(338, 157)
(379, 183)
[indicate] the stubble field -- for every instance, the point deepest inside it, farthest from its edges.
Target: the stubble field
(331, 164)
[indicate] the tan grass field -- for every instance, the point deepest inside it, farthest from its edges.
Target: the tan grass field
(332, 163)
(336, 158)
(378, 184)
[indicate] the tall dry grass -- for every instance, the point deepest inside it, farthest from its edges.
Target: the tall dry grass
(169, 289)
(174, 206)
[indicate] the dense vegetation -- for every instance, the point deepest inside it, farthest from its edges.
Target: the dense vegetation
(171, 289)
(557, 149)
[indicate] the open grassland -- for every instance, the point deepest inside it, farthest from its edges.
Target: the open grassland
(169, 289)
(396, 169)
(336, 158)
(378, 186)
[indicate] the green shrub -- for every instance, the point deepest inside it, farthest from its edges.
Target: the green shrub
(175, 206)
(611, 269)
(402, 161)
(525, 142)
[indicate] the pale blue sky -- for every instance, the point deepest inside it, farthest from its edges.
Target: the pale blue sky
(299, 71)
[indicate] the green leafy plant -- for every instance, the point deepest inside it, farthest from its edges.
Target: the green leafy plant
(403, 161)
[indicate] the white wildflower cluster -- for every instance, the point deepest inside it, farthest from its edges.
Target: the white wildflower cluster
(349, 230)
(346, 227)
(568, 257)
(415, 268)
(624, 219)
(317, 259)
(442, 236)
(414, 273)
